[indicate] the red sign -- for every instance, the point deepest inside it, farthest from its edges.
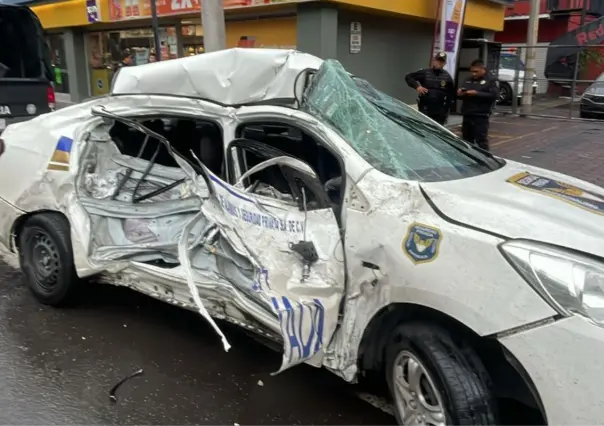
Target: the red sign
(128, 9)
(591, 35)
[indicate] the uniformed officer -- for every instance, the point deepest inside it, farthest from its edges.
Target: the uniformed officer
(435, 87)
(479, 94)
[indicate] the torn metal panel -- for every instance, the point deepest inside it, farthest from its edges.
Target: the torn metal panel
(306, 298)
(183, 257)
(230, 77)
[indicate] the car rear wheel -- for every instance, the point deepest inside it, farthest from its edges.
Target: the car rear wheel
(505, 93)
(46, 258)
(434, 381)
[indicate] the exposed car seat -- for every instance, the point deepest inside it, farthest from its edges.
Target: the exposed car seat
(211, 149)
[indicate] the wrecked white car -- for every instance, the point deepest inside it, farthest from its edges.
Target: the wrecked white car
(274, 190)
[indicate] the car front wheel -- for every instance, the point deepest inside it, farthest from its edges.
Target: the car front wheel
(433, 381)
(505, 93)
(46, 258)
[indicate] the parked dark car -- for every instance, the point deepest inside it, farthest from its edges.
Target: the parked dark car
(25, 70)
(592, 101)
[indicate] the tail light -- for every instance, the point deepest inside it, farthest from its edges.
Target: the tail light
(51, 98)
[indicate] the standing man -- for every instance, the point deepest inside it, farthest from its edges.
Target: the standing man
(435, 88)
(479, 94)
(126, 61)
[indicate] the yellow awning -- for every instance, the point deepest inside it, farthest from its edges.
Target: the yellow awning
(70, 13)
(483, 14)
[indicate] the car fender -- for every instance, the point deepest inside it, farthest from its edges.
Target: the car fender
(41, 162)
(465, 278)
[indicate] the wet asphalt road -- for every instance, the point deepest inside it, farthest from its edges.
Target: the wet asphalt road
(57, 367)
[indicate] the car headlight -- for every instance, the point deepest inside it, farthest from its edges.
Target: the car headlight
(573, 284)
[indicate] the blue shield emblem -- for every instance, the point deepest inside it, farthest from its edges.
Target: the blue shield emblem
(421, 243)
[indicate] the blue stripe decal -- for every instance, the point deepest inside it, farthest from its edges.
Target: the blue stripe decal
(64, 144)
(230, 191)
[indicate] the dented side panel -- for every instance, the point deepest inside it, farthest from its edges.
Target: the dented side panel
(422, 260)
(306, 302)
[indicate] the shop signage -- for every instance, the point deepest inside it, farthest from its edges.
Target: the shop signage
(92, 10)
(449, 31)
(120, 10)
(356, 37)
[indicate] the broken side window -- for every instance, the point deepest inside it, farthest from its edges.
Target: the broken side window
(140, 168)
(267, 140)
(140, 190)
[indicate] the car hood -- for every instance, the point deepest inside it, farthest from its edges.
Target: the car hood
(521, 201)
(511, 72)
(596, 89)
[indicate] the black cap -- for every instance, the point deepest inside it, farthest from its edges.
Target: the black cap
(441, 56)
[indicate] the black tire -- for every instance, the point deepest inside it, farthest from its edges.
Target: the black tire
(46, 258)
(506, 93)
(462, 384)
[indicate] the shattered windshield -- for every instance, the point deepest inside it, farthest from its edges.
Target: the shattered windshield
(391, 136)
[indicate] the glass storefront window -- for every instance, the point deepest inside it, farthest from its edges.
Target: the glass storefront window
(56, 46)
(192, 39)
(109, 49)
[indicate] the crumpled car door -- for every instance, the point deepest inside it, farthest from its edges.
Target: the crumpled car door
(300, 261)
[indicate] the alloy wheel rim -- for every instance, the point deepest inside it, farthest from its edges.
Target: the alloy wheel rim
(415, 395)
(503, 94)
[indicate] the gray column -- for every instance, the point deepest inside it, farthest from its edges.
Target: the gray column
(318, 29)
(489, 35)
(77, 64)
(178, 29)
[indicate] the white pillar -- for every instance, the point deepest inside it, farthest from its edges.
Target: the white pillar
(212, 20)
(531, 57)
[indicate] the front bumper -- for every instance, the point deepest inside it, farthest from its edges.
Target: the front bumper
(564, 360)
(592, 107)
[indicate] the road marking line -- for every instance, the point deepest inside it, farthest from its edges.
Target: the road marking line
(547, 129)
(500, 135)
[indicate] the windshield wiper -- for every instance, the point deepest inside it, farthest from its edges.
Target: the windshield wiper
(449, 139)
(460, 142)
(398, 119)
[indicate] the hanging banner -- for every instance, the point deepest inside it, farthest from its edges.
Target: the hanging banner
(449, 33)
(92, 10)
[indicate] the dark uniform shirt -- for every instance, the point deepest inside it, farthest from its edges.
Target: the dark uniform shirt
(441, 90)
(482, 103)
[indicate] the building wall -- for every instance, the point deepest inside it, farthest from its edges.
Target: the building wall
(391, 48)
(516, 31)
(269, 33)
(523, 8)
(484, 14)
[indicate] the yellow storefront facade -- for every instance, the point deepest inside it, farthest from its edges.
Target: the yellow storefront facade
(397, 34)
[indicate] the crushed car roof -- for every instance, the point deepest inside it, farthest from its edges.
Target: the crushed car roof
(230, 77)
